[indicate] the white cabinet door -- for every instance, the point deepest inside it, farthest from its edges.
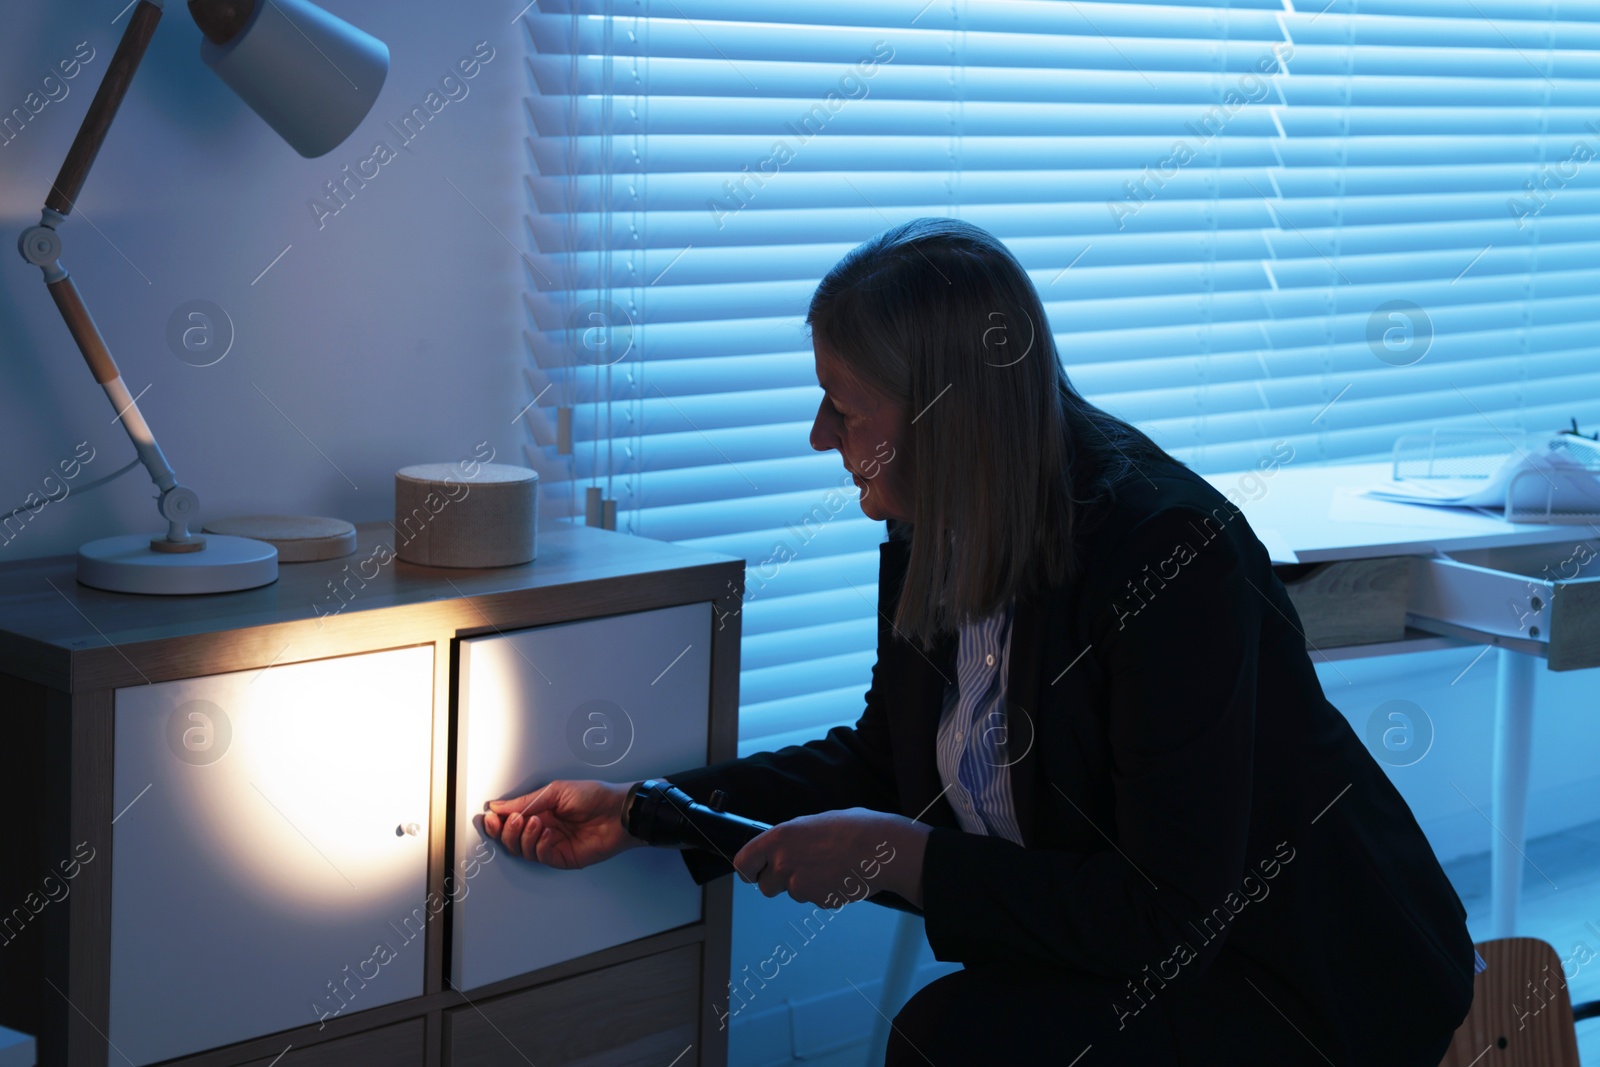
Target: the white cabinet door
(269, 850)
(619, 699)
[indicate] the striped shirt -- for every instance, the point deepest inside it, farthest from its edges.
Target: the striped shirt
(971, 746)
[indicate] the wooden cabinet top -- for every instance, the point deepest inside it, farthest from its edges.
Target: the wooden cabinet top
(67, 636)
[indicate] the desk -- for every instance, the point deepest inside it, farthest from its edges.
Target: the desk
(1316, 514)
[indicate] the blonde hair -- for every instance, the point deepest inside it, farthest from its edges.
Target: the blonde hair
(939, 317)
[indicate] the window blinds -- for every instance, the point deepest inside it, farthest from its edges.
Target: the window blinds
(1249, 223)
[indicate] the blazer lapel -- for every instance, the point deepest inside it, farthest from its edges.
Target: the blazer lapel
(1021, 708)
(915, 699)
(921, 701)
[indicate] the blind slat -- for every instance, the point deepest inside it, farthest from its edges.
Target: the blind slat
(1221, 204)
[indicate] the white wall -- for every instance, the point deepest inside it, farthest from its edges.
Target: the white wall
(388, 336)
(1443, 787)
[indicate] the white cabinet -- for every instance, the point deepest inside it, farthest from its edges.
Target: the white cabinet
(620, 698)
(267, 801)
(270, 849)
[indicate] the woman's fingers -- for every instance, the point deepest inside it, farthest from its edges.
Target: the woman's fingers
(511, 821)
(558, 825)
(497, 820)
(512, 836)
(548, 851)
(770, 881)
(751, 861)
(528, 804)
(532, 831)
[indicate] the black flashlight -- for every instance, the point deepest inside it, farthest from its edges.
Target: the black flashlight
(659, 813)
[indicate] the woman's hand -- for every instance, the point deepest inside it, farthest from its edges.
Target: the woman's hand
(836, 857)
(567, 824)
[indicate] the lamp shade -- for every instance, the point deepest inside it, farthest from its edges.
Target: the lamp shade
(312, 76)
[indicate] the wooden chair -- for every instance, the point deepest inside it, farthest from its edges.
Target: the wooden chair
(1521, 1013)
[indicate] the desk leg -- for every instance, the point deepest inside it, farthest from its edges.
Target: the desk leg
(1513, 748)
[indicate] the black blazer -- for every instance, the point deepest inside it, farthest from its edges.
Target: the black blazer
(1184, 788)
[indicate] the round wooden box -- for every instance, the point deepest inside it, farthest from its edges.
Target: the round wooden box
(298, 538)
(445, 518)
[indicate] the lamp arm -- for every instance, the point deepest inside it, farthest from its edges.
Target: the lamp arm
(103, 109)
(41, 246)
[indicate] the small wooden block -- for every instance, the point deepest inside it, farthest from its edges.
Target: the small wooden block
(298, 538)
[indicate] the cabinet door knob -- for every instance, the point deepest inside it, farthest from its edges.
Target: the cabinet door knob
(407, 828)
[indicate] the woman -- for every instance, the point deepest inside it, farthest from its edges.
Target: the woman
(1094, 752)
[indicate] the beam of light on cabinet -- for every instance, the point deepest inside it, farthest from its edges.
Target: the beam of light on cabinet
(261, 848)
(309, 805)
(496, 745)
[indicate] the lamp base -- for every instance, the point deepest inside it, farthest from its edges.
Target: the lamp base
(127, 564)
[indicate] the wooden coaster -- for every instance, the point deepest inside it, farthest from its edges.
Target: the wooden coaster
(298, 538)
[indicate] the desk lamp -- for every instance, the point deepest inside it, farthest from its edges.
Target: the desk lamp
(313, 78)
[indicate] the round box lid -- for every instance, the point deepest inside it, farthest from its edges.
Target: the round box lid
(298, 538)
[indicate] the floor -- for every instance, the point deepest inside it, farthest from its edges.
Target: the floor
(1560, 903)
